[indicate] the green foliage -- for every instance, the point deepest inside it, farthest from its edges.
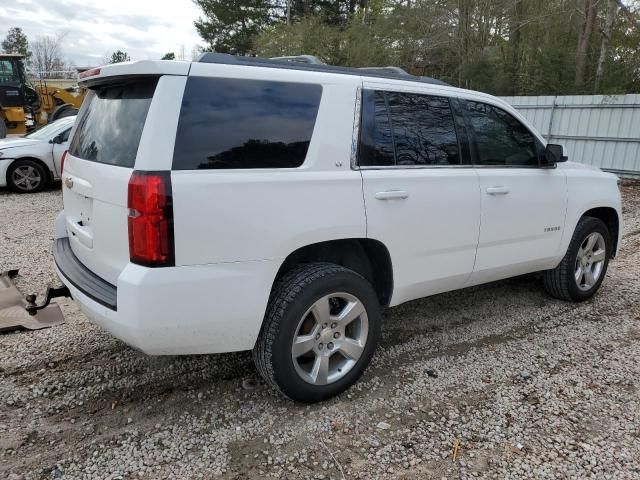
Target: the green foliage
(169, 56)
(354, 44)
(231, 26)
(16, 42)
(622, 67)
(119, 56)
(504, 47)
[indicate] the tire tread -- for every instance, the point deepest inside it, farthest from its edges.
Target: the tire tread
(557, 281)
(284, 293)
(44, 173)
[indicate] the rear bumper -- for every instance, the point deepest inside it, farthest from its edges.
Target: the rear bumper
(179, 310)
(83, 279)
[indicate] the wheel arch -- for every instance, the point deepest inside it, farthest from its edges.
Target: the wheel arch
(368, 257)
(611, 219)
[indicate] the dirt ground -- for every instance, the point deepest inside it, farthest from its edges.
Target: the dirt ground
(527, 386)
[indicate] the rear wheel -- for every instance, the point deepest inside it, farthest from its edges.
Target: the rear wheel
(582, 270)
(26, 176)
(319, 333)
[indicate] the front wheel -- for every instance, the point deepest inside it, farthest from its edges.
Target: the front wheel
(319, 332)
(582, 270)
(26, 176)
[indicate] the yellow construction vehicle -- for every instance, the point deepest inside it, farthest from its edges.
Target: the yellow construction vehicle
(25, 105)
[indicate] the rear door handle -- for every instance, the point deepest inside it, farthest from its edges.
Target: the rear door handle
(392, 195)
(500, 190)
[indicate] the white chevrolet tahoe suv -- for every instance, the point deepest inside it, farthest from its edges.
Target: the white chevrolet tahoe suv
(269, 205)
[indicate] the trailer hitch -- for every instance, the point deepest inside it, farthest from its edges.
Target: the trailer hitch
(52, 292)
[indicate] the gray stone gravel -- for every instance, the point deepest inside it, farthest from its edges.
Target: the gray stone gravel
(531, 388)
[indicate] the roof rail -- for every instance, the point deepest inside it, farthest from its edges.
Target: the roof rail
(302, 62)
(390, 69)
(301, 59)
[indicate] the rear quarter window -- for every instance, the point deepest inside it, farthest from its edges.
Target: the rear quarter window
(110, 123)
(239, 124)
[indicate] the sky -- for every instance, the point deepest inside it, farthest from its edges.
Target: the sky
(145, 29)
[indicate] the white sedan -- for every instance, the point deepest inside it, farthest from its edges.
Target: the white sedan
(30, 163)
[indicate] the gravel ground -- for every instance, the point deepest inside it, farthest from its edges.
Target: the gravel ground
(531, 388)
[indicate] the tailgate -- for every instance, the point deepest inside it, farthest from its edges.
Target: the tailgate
(97, 168)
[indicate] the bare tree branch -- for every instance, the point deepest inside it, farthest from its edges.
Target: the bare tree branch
(47, 53)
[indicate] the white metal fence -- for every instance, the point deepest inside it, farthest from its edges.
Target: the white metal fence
(601, 130)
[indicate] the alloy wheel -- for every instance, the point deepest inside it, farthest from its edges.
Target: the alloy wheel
(330, 338)
(590, 261)
(26, 178)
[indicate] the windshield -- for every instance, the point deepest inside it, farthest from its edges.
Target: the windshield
(48, 131)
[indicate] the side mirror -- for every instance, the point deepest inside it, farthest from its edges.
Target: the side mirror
(56, 140)
(553, 154)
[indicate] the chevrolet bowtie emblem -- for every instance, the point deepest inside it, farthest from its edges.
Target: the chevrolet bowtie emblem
(68, 182)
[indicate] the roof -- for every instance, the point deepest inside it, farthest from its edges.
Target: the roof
(310, 63)
(11, 55)
(104, 73)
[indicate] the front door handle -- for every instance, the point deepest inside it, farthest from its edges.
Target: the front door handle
(500, 190)
(392, 195)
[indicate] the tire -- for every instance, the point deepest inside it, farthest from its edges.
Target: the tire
(63, 111)
(68, 112)
(295, 305)
(562, 281)
(37, 176)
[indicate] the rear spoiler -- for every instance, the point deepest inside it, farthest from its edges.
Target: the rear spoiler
(142, 68)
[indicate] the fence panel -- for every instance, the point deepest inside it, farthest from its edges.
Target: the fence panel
(601, 130)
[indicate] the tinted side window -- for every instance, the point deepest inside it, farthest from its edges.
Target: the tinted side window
(407, 129)
(232, 123)
(376, 138)
(423, 130)
(501, 139)
(110, 123)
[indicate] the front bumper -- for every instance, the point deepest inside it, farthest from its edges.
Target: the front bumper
(5, 162)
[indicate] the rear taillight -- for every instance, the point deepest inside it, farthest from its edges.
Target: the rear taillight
(64, 155)
(151, 219)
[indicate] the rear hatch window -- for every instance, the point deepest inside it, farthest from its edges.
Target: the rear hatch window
(110, 123)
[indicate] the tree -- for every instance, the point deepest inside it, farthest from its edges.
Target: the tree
(169, 56)
(16, 42)
(47, 54)
(118, 57)
(232, 26)
(503, 47)
(584, 40)
(612, 10)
